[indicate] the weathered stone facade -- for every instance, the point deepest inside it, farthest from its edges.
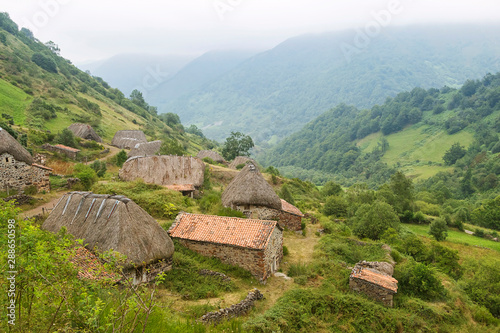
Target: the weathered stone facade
(68, 151)
(258, 212)
(373, 283)
(17, 174)
(234, 310)
(290, 221)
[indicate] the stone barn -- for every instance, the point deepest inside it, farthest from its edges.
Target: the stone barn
(164, 170)
(145, 149)
(290, 216)
(114, 222)
(374, 280)
(16, 166)
(251, 194)
(215, 156)
(84, 131)
(62, 149)
(239, 160)
(255, 245)
(127, 139)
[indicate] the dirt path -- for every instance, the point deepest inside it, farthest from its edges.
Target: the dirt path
(112, 149)
(46, 207)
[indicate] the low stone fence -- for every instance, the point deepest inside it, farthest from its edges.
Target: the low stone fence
(20, 199)
(234, 310)
(223, 277)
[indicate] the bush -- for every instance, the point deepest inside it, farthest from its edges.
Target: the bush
(99, 167)
(335, 206)
(240, 166)
(67, 138)
(438, 229)
(86, 174)
(44, 62)
(419, 280)
(285, 251)
(121, 157)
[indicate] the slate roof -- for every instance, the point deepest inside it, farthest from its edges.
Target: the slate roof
(289, 208)
(90, 267)
(381, 280)
(67, 148)
(247, 233)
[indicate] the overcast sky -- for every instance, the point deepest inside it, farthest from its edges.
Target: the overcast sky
(87, 30)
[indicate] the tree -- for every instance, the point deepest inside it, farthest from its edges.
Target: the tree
(438, 229)
(137, 98)
(67, 138)
(335, 206)
(171, 147)
(402, 187)
(286, 195)
(53, 47)
(331, 188)
(373, 220)
(44, 62)
(237, 144)
(121, 157)
(453, 154)
(86, 174)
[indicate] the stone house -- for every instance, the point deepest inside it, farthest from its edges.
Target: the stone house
(84, 131)
(251, 194)
(62, 149)
(127, 139)
(114, 222)
(375, 283)
(165, 170)
(17, 169)
(255, 245)
(290, 216)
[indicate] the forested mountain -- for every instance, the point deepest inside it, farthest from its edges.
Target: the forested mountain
(274, 93)
(421, 131)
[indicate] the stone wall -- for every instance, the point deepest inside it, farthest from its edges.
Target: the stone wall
(249, 259)
(17, 175)
(372, 290)
(258, 212)
(291, 221)
(70, 154)
(234, 310)
(273, 253)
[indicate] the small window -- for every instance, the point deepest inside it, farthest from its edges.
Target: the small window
(6, 159)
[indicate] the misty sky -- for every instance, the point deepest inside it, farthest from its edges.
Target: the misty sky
(88, 30)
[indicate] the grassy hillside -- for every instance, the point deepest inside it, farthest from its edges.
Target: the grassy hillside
(275, 92)
(40, 90)
(412, 132)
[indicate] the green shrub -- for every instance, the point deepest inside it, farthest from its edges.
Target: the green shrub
(335, 206)
(209, 201)
(417, 279)
(228, 211)
(240, 166)
(99, 167)
(438, 229)
(121, 157)
(44, 62)
(209, 160)
(86, 174)
(285, 251)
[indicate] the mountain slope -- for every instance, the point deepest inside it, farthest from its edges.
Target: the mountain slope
(275, 92)
(411, 131)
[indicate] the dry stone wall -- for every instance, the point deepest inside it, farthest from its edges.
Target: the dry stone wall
(234, 310)
(291, 221)
(17, 175)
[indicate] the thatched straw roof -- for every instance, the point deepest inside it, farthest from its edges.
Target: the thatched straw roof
(211, 154)
(145, 149)
(84, 131)
(250, 188)
(241, 160)
(114, 222)
(164, 170)
(128, 138)
(10, 145)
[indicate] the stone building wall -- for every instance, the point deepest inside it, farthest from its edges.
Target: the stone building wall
(258, 212)
(291, 221)
(17, 175)
(249, 259)
(372, 290)
(273, 253)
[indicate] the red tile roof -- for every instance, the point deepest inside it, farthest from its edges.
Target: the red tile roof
(289, 208)
(90, 267)
(67, 148)
(382, 280)
(42, 167)
(247, 233)
(181, 187)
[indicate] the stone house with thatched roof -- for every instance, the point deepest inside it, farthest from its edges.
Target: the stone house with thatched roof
(255, 245)
(145, 149)
(241, 160)
(165, 170)
(17, 169)
(375, 280)
(114, 222)
(290, 216)
(127, 139)
(251, 194)
(84, 131)
(215, 156)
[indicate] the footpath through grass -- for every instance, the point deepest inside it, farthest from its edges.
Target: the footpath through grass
(458, 237)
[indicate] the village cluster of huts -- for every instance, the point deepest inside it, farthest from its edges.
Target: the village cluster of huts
(114, 222)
